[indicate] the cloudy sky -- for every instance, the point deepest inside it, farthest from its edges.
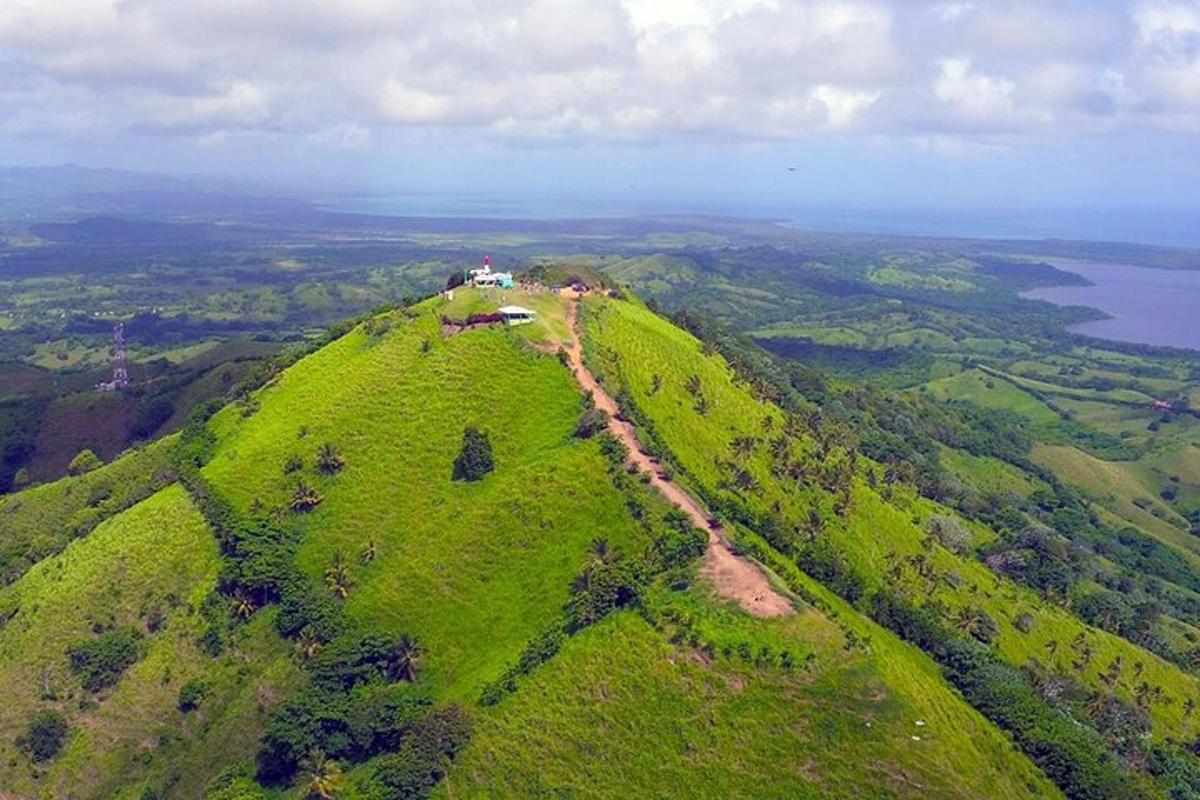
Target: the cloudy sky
(872, 102)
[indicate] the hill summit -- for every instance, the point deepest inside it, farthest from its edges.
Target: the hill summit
(585, 556)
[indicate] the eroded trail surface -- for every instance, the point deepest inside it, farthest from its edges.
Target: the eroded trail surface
(734, 578)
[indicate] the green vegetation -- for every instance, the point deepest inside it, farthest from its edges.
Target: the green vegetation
(45, 736)
(99, 662)
(475, 459)
(852, 525)
(412, 561)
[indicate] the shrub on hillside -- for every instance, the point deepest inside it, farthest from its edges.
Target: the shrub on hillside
(613, 449)
(191, 694)
(592, 422)
(44, 737)
(421, 760)
(949, 532)
(101, 661)
(85, 461)
(680, 543)
(475, 459)
(234, 784)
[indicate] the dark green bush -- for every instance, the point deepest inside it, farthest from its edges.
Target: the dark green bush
(100, 662)
(592, 422)
(475, 459)
(44, 737)
(191, 694)
(419, 763)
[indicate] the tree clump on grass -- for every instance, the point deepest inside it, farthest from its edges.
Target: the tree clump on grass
(44, 737)
(475, 459)
(85, 461)
(101, 661)
(360, 703)
(949, 532)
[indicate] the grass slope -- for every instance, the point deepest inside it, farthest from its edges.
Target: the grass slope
(625, 712)
(631, 345)
(41, 521)
(157, 555)
(473, 570)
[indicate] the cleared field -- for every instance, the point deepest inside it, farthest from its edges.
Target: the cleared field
(987, 474)
(1128, 489)
(978, 387)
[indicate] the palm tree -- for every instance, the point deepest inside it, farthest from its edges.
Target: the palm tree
(370, 551)
(743, 447)
(406, 658)
(1143, 694)
(305, 497)
(243, 606)
(1097, 702)
(1189, 706)
(329, 460)
(308, 645)
(968, 620)
(814, 523)
(337, 576)
(600, 550)
(1084, 658)
(1112, 675)
(322, 776)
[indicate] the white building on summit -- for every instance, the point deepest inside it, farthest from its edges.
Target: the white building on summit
(517, 315)
(485, 277)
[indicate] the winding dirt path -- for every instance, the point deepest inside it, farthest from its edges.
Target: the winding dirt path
(733, 577)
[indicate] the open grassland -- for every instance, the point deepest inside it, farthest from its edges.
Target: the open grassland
(976, 386)
(1128, 489)
(474, 570)
(624, 712)
(989, 474)
(155, 561)
(42, 520)
(629, 346)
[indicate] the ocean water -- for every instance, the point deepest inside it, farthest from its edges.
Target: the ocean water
(1179, 228)
(1146, 306)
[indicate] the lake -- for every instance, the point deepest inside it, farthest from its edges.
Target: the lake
(1146, 306)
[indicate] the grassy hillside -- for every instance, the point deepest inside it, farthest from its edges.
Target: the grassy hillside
(696, 410)
(677, 686)
(146, 570)
(44, 519)
(624, 711)
(473, 570)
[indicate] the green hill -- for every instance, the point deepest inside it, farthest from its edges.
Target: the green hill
(329, 576)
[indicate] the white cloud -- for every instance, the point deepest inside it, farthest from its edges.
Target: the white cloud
(972, 96)
(619, 69)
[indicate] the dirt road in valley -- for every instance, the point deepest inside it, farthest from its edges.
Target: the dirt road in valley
(734, 578)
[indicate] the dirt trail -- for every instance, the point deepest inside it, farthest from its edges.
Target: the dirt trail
(734, 578)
